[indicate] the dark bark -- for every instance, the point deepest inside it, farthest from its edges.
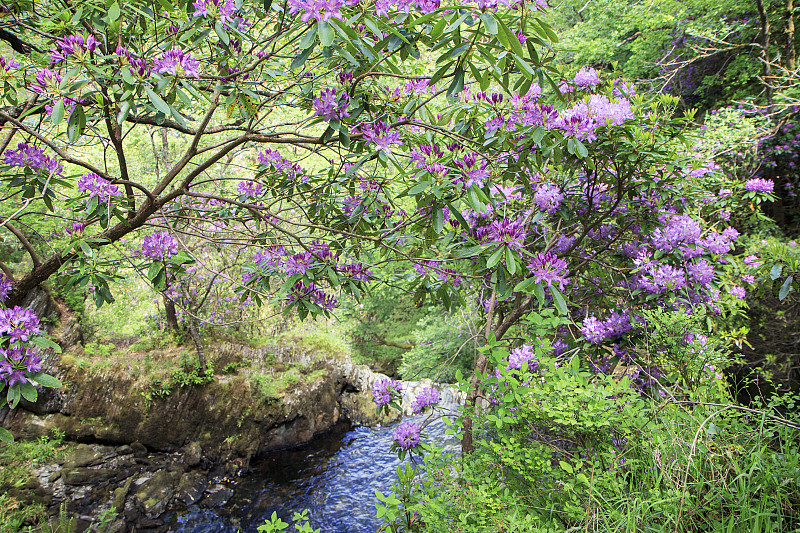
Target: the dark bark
(765, 58)
(172, 317)
(789, 53)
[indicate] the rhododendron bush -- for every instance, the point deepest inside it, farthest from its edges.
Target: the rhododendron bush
(329, 139)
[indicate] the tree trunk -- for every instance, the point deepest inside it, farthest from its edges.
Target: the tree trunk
(789, 53)
(194, 332)
(765, 29)
(172, 317)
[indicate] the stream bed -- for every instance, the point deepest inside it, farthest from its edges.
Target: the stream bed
(335, 478)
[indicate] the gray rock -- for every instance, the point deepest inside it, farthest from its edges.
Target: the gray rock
(191, 487)
(193, 454)
(83, 475)
(154, 495)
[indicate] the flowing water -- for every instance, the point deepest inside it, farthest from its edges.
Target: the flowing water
(335, 478)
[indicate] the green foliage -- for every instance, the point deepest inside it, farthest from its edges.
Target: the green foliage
(567, 450)
(382, 324)
(444, 345)
(187, 374)
(300, 521)
(16, 462)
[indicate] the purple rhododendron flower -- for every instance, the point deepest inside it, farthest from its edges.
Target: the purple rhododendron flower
(522, 355)
(97, 186)
(427, 398)
(548, 197)
(159, 246)
(382, 391)
(759, 185)
(406, 435)
(380, 134)
(73, 45)
(738, 291)
(18, 323)
(330, 107)
(26, 156)
(550, 269)
(175, 61)
(587, 77)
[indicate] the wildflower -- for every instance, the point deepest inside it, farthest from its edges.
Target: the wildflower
(73, 45)
(759, 185)
(737, 291)
(383, 389)
(548, 197)
(550, 269)
(98, 187)
(406, 435)
(587, 77)
(159, 246)
(175, 61)
(329, 107)
(427, 398)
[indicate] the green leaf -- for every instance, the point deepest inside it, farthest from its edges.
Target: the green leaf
(561, 304)
(46, 380)
(76, 124)
(6, 436)
(511, 262)
(157, 101)
(124, 110)
(46, 344)
(219, 29)
(326, 33)
(267, 5)
(419, 187)
(155, 268)
(12, 397)
(58, 112)
(113, 12)
(566, 467)
(775, 271)
(785, 288)
(28, 392)
(495, 257)
(490, 22)
(458, 83)
(438, 221)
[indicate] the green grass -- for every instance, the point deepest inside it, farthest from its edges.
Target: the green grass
(17, 460)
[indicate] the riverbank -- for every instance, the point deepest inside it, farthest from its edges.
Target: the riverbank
(156, 433)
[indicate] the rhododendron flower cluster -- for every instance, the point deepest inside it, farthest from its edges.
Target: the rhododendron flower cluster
(384, 389)
(31, 157)
(73, 45)
(159, 246)
(406, 435)
(177, 62)
(98, 187)
(429, 397)
(330, 107)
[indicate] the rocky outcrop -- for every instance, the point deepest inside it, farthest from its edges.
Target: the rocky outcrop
(145, 456)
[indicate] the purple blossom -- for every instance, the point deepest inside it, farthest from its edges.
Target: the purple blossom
(298, 263)
(505, 232)
(383, 389)
(26, 156)
(310, 292)
(175, 61)
(587, 77)
(5, 287)
(759, 185)
(406, 435)
(550, 269)
(329, 107)
(738, 291)
(73, 45)
(427, 398)
(380, 134)
(523, 355)
(250, 189)
(7, 64)
(223, 10)
(18, 323)
(318, 10)
(16, 361)
(752, 260)
(358, 272)
(46, 80)
(749, 279)
(159, 246)
(274, 159)
(98, 187)
(548, 197)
